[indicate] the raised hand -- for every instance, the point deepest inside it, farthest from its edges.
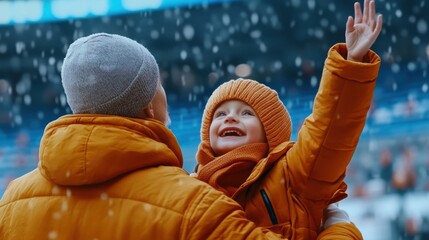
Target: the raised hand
(362, 31)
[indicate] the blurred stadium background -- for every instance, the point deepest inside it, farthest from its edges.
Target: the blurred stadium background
(201, 43)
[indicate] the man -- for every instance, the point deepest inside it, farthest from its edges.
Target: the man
(112, 169)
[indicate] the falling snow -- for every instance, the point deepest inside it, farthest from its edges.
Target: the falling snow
(53, 235)
(104, 196)
(283, 44)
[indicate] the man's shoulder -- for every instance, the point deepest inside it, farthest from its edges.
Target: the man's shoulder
(167, 182)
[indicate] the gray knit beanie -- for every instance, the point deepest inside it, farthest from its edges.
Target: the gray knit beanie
(109, 74)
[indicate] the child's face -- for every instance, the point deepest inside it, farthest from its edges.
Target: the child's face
(235, 124)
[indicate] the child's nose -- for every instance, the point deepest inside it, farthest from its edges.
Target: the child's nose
(231, 117)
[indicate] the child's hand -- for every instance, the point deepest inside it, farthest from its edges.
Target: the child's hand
(362, 31)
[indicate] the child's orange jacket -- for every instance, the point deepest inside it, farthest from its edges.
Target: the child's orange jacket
(289, 189)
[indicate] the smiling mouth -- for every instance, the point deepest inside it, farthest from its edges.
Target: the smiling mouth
(234, 133)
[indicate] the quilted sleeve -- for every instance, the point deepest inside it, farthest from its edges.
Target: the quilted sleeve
(341, 231)
(330, 134)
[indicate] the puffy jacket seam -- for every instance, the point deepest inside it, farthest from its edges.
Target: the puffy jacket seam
(339, 149)
(307, 229)
(219, 220)
(103, 124)
(117, 198)
(191, 212)
(203, 196)
(86, 150)
(43, 152)
(337, 103)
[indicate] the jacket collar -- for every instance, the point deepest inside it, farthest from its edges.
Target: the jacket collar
(263, 166)
(83, 149)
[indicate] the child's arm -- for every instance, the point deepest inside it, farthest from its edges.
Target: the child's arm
(329, 136)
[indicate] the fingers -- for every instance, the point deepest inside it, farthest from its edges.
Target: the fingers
(365, 11)
(350, 25)
(371, 11)
(358, 13)
(376, 32)
(379, 24)
(368, 16)
(375, 22)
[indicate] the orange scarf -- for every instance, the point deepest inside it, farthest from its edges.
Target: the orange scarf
(226, 173)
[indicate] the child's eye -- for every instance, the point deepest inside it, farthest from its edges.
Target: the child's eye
(220, 114)
(248, 113)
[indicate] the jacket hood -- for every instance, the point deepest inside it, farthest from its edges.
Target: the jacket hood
(85, 149)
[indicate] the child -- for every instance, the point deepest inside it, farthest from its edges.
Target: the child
(246, 151)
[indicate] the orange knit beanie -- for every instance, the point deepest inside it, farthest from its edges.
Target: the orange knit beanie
(264, 101)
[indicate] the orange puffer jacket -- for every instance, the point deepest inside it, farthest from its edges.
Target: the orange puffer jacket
(106, 177)
(288, 190)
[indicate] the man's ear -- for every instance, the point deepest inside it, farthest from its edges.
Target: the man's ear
(149, 113)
